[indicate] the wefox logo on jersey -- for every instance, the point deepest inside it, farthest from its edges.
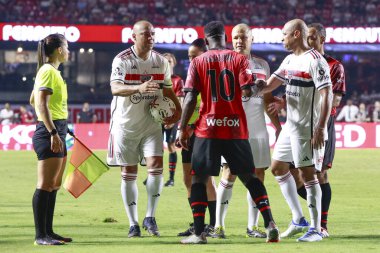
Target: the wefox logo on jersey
(233, 121)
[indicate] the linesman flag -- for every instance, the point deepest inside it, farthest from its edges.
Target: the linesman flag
(83, 170)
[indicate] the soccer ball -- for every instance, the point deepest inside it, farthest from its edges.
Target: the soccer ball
(161, 108)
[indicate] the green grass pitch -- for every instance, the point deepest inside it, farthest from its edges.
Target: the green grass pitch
(354, 220)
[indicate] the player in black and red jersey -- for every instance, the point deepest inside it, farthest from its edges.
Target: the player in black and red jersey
(222, 77)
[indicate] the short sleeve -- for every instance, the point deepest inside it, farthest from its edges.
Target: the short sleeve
(118, 70)
(320, 73)
(267, 69)
(45, 80)
(338, 78)
(192, 79)
(245, 73)
(179, 88)
(167, 75)
(280, 72)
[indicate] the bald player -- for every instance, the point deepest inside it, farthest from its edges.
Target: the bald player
(139, 75)
(254, 107)
(309, 99)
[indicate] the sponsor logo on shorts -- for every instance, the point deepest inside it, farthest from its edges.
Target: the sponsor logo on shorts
(306, 159)
(293, 93)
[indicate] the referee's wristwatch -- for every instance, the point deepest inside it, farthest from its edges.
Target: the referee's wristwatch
(53, 132)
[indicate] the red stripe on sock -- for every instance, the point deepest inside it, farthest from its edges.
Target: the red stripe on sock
(325, 212)
(324, 221)
(198, 214)
(199, 203)
(260, 198)
(264, 208)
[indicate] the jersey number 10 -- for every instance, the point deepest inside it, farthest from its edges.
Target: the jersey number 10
(225, 79)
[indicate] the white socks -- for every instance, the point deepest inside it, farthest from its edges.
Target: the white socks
(154, 185)
(289, 190)
(253, 212)
(314, 199)
(223, 197)
(129, 194)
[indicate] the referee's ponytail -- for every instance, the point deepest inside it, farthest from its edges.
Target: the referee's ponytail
(47, 46)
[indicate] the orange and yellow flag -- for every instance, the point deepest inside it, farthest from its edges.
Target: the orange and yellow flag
(83, 169)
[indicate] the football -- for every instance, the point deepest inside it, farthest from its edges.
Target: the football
(161, 108)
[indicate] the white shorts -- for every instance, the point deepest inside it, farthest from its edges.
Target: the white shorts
(129, 152)
(299, 151)
(260, 151)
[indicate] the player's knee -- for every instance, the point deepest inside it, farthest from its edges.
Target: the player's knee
(154, 162)
(277, 171)
(246, 178)
(199, 179)
(322, 177)
(308, 174)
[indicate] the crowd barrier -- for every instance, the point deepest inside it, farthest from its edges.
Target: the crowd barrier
(19, 137)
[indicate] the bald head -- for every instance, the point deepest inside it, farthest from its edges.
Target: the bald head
(242, 28)
(143, 37)
(297, 25)
(242, 39)
(141, 26)
(295, 35)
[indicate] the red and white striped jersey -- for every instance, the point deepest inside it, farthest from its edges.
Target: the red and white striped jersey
(254, 105)
(304, 75)
(131, 114)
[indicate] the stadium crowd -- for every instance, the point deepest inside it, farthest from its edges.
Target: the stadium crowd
(191, 12)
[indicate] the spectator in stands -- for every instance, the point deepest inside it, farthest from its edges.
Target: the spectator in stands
(348, 112)
(86, 115)
(362, 115)
(376, 112)
(365, 97)
(25, 116)
(6, 115)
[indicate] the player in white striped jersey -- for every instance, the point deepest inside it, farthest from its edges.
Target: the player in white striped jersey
(309, 98)
(137, 74)
(254, 108)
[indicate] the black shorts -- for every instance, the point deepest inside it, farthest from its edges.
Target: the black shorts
(330, 144)
(207, 154)
(186, 154)
(41, 140)
(170, 134)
